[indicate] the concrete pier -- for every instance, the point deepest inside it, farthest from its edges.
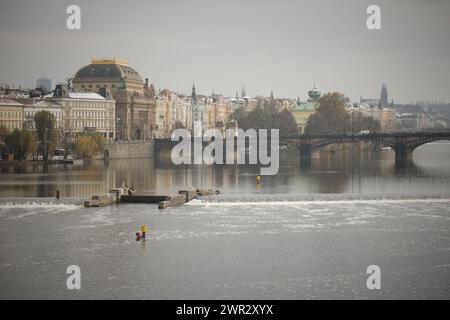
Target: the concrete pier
(164, 201)
(143, 198)
(172, 202)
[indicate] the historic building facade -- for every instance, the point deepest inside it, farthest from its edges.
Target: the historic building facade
(33, 106)
(182, 111)
(86, 111)
(135, 105)
(218, 111)
(11, 114)
(164, 114)
(303, 110)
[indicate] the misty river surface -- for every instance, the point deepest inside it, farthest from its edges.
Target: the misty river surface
(309, 232)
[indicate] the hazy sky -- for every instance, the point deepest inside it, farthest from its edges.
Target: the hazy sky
(224, 45)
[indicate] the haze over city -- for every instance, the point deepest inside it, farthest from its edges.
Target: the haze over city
(224, 45)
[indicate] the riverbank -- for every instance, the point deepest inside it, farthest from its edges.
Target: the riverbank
(15, 163)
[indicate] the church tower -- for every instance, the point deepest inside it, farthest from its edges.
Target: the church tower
(383, 97)
(243, 93)
(198, 113)
(194, 95)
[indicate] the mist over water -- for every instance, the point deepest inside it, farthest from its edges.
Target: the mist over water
(306, 233)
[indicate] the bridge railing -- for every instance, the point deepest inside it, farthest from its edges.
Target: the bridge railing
(370, 135)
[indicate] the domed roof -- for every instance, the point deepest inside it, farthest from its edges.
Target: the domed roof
(314, 94)
(108, 69)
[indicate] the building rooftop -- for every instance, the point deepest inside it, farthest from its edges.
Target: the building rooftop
(9, 102)
(108, 68)
(305, 106)
(86, 95)
(114, 60)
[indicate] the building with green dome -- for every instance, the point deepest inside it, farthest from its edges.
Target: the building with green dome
(303, 110)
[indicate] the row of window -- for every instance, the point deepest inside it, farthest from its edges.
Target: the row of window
(10, 114)
(30, 114)
(81, 124)
(83, 104)
(91, 114)
(97, 86)
(11, 124)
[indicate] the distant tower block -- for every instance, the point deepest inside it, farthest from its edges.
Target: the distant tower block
(44, 83)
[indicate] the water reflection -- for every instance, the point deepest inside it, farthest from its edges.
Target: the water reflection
(357, 172)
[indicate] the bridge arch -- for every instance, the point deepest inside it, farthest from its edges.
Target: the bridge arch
(402, 143)
(424, 142)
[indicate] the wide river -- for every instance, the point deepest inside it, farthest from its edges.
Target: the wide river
(309, 232)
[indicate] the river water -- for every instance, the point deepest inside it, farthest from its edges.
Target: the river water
(310, 232)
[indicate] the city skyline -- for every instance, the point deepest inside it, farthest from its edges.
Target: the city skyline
(222, 47)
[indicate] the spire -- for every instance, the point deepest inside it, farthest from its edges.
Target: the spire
(383, 96)
(194, 95)
(243, 93)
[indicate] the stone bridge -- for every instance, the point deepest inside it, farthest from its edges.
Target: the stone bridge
(403, 144)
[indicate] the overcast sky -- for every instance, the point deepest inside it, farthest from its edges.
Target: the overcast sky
(223, 45)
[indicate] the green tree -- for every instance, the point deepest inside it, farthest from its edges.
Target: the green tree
(29, 142)
(331, 116)
(285, 121)
(3, 132)
(89, 144)
(266, 116)
(256, 119)
(21, 143)
(270, 115)
(361, 122)
(46, 132)
(240, 116)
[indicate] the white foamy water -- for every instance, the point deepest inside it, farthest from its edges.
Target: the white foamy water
(228, 247)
